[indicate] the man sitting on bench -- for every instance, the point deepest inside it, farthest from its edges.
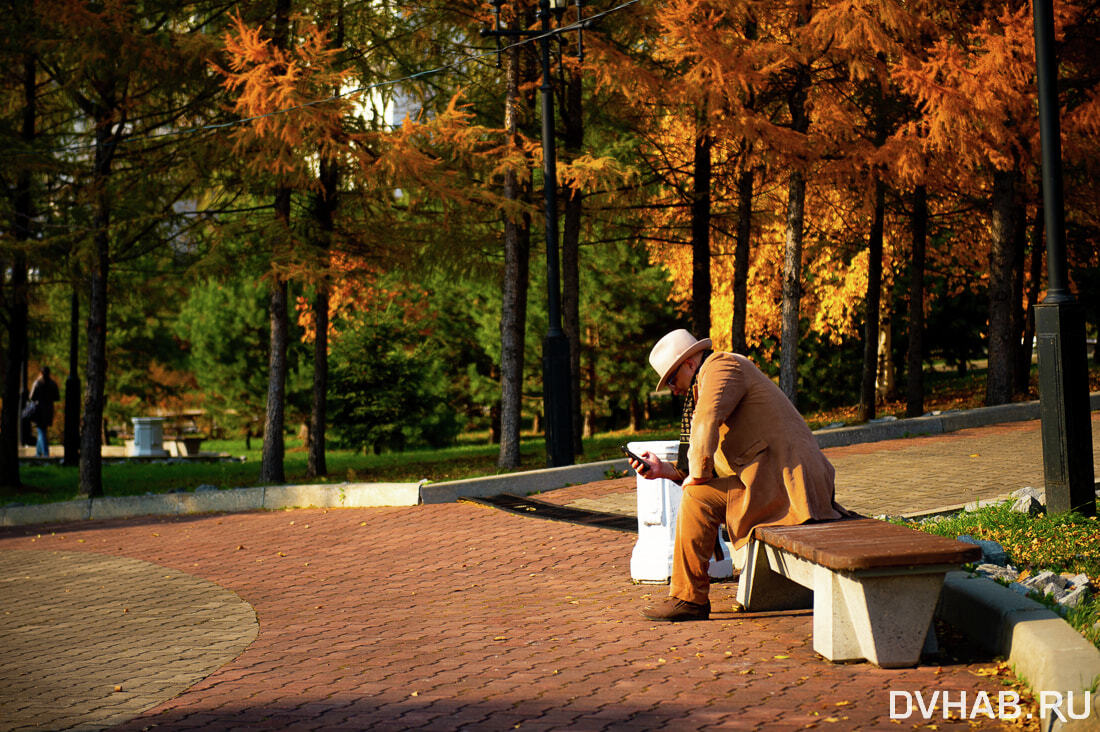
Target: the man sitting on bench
(747, 459)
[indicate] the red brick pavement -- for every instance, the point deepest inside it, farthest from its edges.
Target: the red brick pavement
(457, 616)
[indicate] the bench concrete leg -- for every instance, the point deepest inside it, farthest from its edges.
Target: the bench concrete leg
(762, 588)
(883, 619)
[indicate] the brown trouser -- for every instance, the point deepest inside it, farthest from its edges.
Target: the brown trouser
(703, 507)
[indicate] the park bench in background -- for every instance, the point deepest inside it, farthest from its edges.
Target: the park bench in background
(873, 586)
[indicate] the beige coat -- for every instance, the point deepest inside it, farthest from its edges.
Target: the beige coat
(748, 438)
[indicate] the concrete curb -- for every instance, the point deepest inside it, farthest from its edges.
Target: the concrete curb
(529, 481)
(345, 495)
(1044, 649)
(357, 495)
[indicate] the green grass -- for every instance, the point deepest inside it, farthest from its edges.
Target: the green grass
(1068, 544)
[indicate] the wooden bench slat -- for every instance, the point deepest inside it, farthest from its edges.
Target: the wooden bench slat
(859, 544)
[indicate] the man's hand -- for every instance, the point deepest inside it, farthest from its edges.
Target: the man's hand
(652, 467)
(647, 466)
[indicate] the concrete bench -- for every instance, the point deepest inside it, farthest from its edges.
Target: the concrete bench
(873, 586)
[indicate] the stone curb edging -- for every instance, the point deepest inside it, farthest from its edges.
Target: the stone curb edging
(529, 481)
(1045, 651)
(410, 494)
(346, 495)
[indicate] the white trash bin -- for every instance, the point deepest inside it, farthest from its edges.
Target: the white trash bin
(149, 437)
(658, 504)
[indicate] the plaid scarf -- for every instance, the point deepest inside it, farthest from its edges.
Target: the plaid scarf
(685, 420)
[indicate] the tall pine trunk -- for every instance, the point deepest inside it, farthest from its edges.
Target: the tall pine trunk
(325, 205)
(739, 320)
(72, 383)
(1019, 310)
(274, 448)
(513, 312)
(91, 429)
(325, 208)
(792, 249)
(741, 259)
(18, 296)
(792, 286)
(700, 228)
(573, 119)
(874, 298)
(914, 372)
(999, 376)
(1034, 284)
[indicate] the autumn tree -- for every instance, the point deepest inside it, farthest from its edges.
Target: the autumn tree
(279, 84)
(22, 75)
(976, 90)
(113, 63)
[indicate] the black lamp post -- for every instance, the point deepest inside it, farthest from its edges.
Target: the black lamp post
(556, 382)
(1060, 319)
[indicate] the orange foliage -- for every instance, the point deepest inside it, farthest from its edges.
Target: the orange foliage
(359, 289)
(278, 92)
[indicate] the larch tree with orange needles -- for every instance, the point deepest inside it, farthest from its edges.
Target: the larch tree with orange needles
(976, 91)
(284, 90)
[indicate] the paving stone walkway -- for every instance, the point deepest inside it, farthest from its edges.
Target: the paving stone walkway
(441, 617)
(901, 477)
(90, 640)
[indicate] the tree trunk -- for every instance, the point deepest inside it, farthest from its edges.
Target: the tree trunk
(513, 312)
(700, 230)
(573, 119)
(326, 203)
(18, 299)
(274, 449)
(72, 385)
(792, 286)
(999, 378)
(792, 251)
(1019, 310)
(637, 414)
(871, 315)
(91, 428)
(325, 206)
(741, 260)
(1035, 280)
(316, 465)
(13, 366)
(914, 372)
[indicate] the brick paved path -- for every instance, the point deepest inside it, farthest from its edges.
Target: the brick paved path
(900, 477)
(457, 616)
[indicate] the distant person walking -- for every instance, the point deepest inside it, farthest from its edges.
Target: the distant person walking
(44, 393)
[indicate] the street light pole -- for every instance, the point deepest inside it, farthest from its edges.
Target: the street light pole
(556, 381)
(1060, 319)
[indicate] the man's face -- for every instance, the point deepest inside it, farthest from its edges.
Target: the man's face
(680, 381)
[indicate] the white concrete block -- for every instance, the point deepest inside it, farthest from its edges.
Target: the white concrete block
(890, 615)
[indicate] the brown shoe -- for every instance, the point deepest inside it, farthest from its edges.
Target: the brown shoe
(674, 610)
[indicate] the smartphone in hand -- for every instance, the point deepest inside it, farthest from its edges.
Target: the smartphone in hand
(645, 466)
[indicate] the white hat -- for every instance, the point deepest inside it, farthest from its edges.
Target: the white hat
(673, 350)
